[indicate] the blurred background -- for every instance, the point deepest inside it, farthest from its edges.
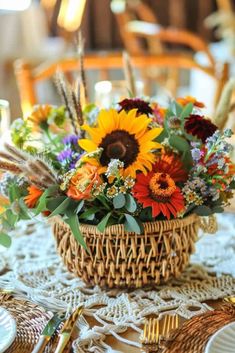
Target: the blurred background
(190, 47)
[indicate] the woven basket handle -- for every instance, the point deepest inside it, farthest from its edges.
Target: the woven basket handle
(208, 224)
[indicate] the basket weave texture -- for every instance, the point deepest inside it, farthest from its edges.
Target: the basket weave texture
(116, 258)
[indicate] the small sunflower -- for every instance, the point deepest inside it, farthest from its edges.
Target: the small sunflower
(40, 115)
(124, 136)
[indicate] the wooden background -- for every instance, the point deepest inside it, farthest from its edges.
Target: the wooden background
(101, 31)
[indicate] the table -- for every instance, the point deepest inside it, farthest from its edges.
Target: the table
(36, 271)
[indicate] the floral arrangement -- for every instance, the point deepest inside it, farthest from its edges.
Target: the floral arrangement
(135, 162)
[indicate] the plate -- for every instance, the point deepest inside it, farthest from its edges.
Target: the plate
(7, 330)
(223, 341)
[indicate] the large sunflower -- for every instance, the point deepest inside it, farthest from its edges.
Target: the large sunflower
(124, 136)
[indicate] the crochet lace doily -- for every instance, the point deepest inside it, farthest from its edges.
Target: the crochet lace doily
(36, 271)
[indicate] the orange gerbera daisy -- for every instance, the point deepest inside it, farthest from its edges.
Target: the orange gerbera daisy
(188, 99)
(159, 192)
(34, 194)
(171, 164)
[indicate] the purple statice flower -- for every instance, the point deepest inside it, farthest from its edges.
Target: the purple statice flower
(65, 155)
(71, 140)
(76, 158)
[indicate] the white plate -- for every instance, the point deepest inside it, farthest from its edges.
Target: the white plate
(223, 341)
(7, 330)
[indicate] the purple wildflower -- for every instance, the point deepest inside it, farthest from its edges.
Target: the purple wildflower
(65, 155)
(71, 140)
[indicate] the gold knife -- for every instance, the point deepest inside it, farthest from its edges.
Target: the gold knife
(67, 329)
(47, 333)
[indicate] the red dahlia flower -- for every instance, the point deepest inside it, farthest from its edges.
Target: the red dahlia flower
(136, 103)
(200, 127)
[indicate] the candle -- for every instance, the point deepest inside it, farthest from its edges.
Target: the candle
(4, 116)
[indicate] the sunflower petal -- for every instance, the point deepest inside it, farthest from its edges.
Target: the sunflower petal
(87, 145)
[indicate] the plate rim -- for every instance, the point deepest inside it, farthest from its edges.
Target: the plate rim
(14, 329)
(209, 343)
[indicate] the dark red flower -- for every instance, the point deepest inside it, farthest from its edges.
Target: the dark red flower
(136, 103)
(200, 127)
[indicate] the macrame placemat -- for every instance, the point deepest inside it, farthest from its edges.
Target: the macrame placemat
(36, 271)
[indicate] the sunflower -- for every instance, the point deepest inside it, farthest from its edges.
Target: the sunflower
(40, 115)
(159, 192)
(171, 164)
(124, 136)
(34, 194)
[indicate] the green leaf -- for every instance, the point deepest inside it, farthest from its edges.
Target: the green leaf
(203, 211)
(131, 205)
(42, 204)
(218, 209)
(102, 225)
(61, 208)
(162, 136)
(53, 203)
(73, 222)
(186, 111)
(5, 240)
(79, 206)
(89, 212)
(131, 224)
(11, 218)
(177, 108)
(24, 211)
(179, 143)
(119, 201)
(14, 193)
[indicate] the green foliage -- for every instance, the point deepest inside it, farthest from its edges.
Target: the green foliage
(131, 205)
(5, 240)
(132, 225)
(119, 201)
(73, 222)
(203, 210)
(103, 223)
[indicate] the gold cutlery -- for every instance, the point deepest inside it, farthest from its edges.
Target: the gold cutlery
(67, 329)
(150, 335)
(170, 323)
(47, 333)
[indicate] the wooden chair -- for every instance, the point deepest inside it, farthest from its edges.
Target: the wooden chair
(138, 25)
(28, 75)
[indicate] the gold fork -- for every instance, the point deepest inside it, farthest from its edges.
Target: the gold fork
(170, 323)
(150, 336)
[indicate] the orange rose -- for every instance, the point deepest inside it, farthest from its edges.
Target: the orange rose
(82, 183)
(188, 99)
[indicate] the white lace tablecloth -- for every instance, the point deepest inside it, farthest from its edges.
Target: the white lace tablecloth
(36, 271)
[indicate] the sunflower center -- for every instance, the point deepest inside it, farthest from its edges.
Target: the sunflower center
(119, 144)
(162, 186)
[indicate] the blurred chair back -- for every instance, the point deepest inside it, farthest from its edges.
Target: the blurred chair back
(28, 76)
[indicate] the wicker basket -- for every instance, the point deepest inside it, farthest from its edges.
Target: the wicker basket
(117, 258)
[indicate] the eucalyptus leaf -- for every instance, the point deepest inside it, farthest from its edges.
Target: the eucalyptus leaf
(75, 228)
(14, 192)
(131, 224)
(102, 225)
(5, 240)
(131, 205)
(79, 206)
(218, 209)
(119, 201)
